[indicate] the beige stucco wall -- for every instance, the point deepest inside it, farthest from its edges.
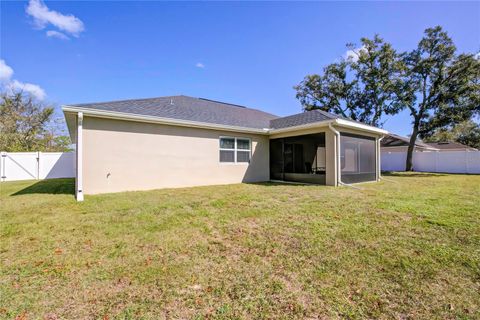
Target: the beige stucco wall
(121, 155)
(126, 155)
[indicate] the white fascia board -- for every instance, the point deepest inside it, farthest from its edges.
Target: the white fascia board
(160, 120)
(359, 126)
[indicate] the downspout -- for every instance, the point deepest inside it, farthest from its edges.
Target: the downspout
(337, 154)
(79, 154)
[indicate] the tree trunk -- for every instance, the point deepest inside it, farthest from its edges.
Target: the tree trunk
(411, 147)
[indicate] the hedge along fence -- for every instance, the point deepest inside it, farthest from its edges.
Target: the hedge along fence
(36, 165)
(434, 161)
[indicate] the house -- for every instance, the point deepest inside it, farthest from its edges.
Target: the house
(450, 146)
(395, 143)
(181, 141)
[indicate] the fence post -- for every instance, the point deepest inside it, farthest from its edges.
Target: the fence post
(38, 165)
(3, 174)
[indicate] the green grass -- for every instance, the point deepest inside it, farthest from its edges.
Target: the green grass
(407, 249)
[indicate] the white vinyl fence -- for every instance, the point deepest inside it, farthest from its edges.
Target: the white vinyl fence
(36, 165)
(435, 161)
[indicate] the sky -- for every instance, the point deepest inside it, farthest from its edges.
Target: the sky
(247, 53)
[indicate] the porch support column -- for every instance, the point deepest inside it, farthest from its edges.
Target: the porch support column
(378, 150)
(79, 155)
(330, 159)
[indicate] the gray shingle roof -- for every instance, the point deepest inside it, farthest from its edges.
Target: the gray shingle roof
(189, 109)
(209, 111)
(302, 119)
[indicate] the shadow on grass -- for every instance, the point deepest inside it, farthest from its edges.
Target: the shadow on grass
(50, 186)
(285, 183)
(411, 174)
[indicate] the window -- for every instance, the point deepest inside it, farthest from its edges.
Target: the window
(227, 149)
(235, 150)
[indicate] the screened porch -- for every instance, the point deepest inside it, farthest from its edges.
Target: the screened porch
(298, 159)
(302, 158)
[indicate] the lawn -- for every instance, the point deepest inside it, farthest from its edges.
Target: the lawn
(408, 248)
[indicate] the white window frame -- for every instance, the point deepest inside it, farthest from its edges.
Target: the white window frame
(235, 149)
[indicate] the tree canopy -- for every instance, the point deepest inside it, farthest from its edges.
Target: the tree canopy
(363, 86)
(438, 87)
(25, 125)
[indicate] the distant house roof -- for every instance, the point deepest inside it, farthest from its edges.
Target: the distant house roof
(199, 110)
(450, 145)
(394, 140)
(189, 109)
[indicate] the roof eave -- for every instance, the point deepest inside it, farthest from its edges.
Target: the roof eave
(159, 120)
(197, 124)
(325, 123)
(360, 126)
(318, 124)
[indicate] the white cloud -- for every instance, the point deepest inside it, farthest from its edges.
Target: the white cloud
(56, 34)
(353, 54)
(477, 56)
(43, 16)
(5, 71)
(33, 89)
(10, 85)
(200, 65)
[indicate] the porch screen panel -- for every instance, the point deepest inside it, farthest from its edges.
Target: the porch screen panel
(358, 158)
